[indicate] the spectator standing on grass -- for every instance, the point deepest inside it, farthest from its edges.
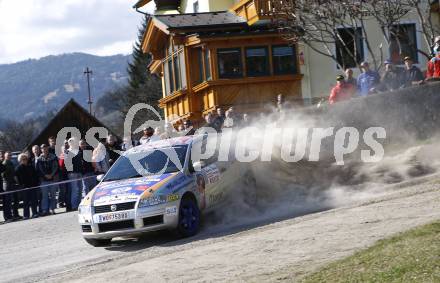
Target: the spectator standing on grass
(180, 129)
(127, 144)
(412, 75)
(47, 169)
(36, 152)
(280, 103)
(229, 121)
(9, 183)
(88, 171)
(188, 127)
(26, 177)
(7, 198)
(349, 79)
(74, 174)
(169, 132)
(368, 80)
(218, 120)
(148, 136)
(342, 91)
(392, 78)
(66, 196)
(100, 159)
(433, 68)
(113, 149)
(157, 132)
(245, 122)
(209, 119)
(52, 144)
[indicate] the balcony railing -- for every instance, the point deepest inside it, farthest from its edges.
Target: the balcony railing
(255, 10)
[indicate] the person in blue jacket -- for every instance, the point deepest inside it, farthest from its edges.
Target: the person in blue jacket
(368, 80)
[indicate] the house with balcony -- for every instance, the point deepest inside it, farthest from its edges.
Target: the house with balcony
(219, 53)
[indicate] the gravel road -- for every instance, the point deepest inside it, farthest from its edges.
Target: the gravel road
(276, 248)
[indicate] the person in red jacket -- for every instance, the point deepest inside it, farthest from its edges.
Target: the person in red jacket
(342, 90)
(433, 70)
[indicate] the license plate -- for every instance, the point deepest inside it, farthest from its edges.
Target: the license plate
(113, 217)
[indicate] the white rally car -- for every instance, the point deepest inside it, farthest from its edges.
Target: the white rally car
(168, 194)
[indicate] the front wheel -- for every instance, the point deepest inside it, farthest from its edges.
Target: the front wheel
(189, 218)
(98, 242)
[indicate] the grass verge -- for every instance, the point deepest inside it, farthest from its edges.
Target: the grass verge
(412, 256)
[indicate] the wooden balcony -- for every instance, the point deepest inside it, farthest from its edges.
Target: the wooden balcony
(255, 10)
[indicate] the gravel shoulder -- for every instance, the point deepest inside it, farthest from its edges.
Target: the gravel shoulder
(277, 249)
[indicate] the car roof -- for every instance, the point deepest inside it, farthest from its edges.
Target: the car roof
(178, 141)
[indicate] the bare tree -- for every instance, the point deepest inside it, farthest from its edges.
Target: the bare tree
(318, 23)
(16, 136)
(426, 21)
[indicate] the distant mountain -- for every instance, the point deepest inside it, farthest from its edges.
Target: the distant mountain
(33, 87)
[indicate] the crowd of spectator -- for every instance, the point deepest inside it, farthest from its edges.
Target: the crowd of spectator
(370, 81)
(219, 119)
(39, 178)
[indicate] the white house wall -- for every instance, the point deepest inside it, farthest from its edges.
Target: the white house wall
(321, 71)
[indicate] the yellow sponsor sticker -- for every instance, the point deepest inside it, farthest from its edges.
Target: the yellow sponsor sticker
(172, 197)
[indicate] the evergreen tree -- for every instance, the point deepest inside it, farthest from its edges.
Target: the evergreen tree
(143, 87)
(137, 69)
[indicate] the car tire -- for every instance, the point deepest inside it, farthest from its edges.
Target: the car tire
(189, 218)
(98, 242)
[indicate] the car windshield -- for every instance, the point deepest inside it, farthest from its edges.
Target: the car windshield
(144, 163)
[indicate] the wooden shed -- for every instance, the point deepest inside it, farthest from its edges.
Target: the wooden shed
(71, 115)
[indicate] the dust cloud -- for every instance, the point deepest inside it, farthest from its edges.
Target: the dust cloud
(280, 189)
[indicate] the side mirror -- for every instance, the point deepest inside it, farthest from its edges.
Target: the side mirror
(99, 178)
(197, 166)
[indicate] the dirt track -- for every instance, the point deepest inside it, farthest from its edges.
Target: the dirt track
(278, 248)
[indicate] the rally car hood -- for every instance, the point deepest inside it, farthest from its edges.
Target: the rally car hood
(128, 190)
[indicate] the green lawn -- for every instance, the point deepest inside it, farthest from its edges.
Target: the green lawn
(412, 256)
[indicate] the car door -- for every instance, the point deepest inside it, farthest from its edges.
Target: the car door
(214, 194)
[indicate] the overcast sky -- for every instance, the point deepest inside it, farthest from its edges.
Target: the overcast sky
(37, 28)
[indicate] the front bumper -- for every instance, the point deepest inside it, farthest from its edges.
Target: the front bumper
(143, 220)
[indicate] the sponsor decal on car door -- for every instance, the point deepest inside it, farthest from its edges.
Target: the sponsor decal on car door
(213, 192)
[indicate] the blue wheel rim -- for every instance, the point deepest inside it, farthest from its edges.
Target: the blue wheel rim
(189, 217)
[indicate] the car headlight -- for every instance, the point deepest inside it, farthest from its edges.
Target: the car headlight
(151, 201)
(84, 209)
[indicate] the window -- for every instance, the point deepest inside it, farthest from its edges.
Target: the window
(177, 80)
(199, 54)
(170, 71)
(196, 6)
(350, 45)
(229, 63)
(403, 43)
(257, 61)
(284, 60)
(203, 65)
(150, 163)
(207, 65)
(174, 70)
(182, 67)
(167, 78)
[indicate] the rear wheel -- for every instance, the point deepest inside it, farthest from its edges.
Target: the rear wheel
(189, 217)
(98, 242)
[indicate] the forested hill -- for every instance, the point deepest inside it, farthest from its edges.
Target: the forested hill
(33, 87)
